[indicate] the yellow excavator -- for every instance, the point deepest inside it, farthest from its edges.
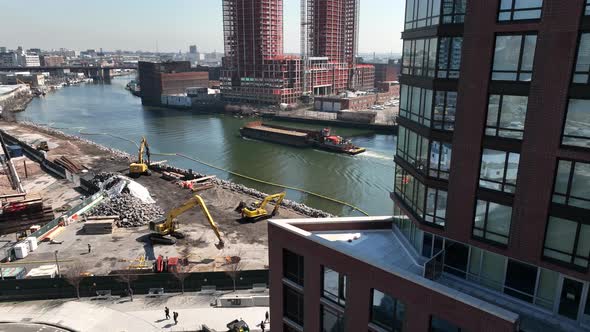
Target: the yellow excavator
(141, 166)
(257, 210)
(169, 226)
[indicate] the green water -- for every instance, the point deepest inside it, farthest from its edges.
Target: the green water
(364, 180)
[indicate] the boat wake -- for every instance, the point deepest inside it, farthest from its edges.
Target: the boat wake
(377, 155)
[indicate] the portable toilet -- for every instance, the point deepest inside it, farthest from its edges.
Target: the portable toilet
(21, 250)
(32, 242)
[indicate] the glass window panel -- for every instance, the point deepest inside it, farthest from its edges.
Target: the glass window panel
(546, 288)
(520, 280)
(331, 284)
(520, 4)
(583, 60)
(560, 237)
(492, 270)
(506, 4)
(497, 76)
(293, 305)
(577, 125)
(528, 54)
(527, 14)
(563, 176)
(499, 219)
(332, 320)
(474, 263)
(493, 109)
(480, 214)
(581, 186)
(506, 54)
(441, 325)
(504, 16)
(387, 312)
(583, 249)
(293, 267)
(513, 115)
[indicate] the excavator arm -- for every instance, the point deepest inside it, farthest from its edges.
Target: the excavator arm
(169, 225)
(143, 148)
(279, 198)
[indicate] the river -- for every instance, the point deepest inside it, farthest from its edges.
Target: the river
(364, 180)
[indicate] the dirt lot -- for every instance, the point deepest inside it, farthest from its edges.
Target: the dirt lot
(118, 250)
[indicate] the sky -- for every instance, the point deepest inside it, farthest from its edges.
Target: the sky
(172, 25)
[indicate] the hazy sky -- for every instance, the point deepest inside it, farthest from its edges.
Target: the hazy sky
(174, 24)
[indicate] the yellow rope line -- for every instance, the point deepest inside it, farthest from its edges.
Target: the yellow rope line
(334, 200)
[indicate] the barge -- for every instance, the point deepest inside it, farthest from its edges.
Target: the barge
(321, 139)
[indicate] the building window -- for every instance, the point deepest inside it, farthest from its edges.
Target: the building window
(456, 258)
(441, 325)
(334, 286)
(487, 269)
(429, 205)
(514, 57)
(582, 69)
(576, 131)
(422, 13)
(492, 221)
(449, 57)
(436, 206)
(587, 10)
(520, 280)
(293, 267)
(419, 57)
(453, 11)
(411, 191)
(499, 170)
(440, 160)
(445, 107)
(567, 241)
(332, 320)
(293, 305)
(572, 184)
(506, 116)
(416, 104)
(513, 10)
(409, 230)
(387, 312)
(413, 148)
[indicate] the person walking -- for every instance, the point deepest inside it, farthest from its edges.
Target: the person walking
(262, 326)
(175, 315)
(266, 317)
(167, 312)
(89, 248)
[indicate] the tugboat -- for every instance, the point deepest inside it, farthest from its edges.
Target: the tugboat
(337, 143)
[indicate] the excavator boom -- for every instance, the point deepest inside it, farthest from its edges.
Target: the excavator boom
(259, 212)
(141, 166)
(169, 225)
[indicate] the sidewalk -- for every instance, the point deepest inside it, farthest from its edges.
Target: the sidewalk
(143, 314)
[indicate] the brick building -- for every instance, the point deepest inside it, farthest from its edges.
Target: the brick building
(491, 228)
(168, 78)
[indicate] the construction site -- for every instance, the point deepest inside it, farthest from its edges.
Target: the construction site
(67, 202)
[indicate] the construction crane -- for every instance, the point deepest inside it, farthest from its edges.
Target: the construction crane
(257, 210)
(141, 166)
(169, 225)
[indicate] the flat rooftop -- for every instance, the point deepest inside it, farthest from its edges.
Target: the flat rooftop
(381, 244)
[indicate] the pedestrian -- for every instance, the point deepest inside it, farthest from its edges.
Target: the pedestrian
(266, 318)
(262, 326)
(89, 248)
(167, 312)
(175, 314)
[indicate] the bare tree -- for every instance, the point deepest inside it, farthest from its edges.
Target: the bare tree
(127, 277)
(180, 273)
(74, 275)
(234, 266)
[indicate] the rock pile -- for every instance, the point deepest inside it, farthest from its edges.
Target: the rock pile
(131, 210)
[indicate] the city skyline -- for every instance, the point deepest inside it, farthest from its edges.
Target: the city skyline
(171, 27)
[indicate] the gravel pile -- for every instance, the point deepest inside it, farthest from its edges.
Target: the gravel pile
(301, 208)
(131, 210)
(101, 177)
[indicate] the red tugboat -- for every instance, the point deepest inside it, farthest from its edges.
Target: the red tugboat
(337, 143)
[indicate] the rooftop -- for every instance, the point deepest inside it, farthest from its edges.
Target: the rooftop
(380, 243)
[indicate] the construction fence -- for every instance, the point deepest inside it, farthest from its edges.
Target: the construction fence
(56, 288)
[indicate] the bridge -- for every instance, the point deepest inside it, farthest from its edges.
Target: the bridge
(100, 73)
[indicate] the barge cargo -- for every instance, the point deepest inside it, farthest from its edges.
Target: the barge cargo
(321, 139)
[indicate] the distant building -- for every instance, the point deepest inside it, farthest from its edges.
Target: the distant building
(387, 72)
(29, 60)
(2, 49)
(193, 49)
(9, 59)
(168, 78)
(34, 51)
(363, 77)
(52, 60)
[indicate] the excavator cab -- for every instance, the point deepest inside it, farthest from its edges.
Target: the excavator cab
(257, 211)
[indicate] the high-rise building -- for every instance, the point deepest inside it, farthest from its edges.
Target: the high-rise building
(192, 49)
(491, 228)
(9, 59)
(254, 67)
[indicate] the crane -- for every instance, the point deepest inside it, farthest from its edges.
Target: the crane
(169, 225)
(141, 166)
(257, 211)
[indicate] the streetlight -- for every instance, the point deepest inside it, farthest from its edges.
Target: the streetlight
(57, 263)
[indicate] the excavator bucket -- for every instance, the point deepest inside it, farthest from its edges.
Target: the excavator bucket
(240, 206)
